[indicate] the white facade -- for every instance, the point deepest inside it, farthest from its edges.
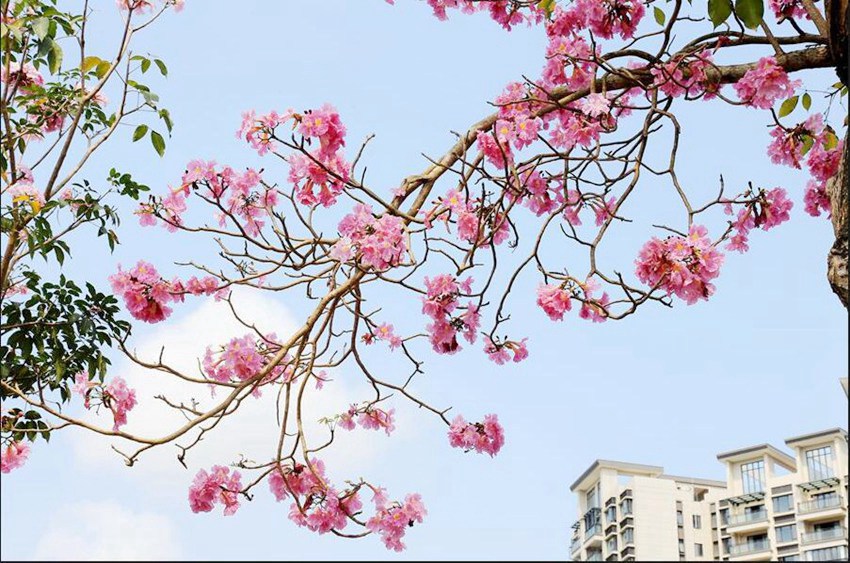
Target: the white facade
(772, 506)
(631, 512)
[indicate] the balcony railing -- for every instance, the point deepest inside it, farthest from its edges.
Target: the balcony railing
(816, 505)
(747, 518)
(749, 548)
(838, 532)
(575, 544)
(594, 530)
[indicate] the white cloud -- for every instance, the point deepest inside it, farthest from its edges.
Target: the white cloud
(105, 531)
(252, 431)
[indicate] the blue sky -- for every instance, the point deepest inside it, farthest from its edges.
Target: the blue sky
(758, 363)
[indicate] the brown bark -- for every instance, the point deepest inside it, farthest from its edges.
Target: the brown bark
(838, 22)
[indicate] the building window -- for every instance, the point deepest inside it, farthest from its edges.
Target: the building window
(786, 533)
(784, 503)
(724, 516)
(680, 518)
(825, 500)
(819, 462)
(837, 553)
(626, 506)
(628, 536)
(697, 521)
(795, 557)
(611, 544)
(610, 514)
(752, 476)
(681, 547)
(590, 497)
(698, 549)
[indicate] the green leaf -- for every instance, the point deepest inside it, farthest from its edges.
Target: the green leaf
(719, 11)
(140, 132)
(660, 17)
(41, 27)
(102, 68)
(750, 12)
(547, 6)
(164, 69)
(54, 58)
(90, 63)
(808, 141)
(830, 141)
(146, 64)
(807, 101)
(158, 143)
(788, 106)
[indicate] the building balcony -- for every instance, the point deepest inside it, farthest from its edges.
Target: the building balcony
(821, 508)
(595, 530)
(626, 493)
(749, 551)
(833, 534)
(575, 545)
(594, 555)
(748, 522)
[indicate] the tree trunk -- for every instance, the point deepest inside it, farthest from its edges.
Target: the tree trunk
(838, 21)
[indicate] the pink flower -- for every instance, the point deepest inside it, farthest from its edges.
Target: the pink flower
(554, 300)
(783, 9)
(26, 77)
(683, 266)
(760, 87)
(596, 105)
(243, 358)
(145, 293)
(120, 399)
(500, 353)
(377, 419)
(483, 437)
(82, 386)
(378, 243)
(14, 456)
(23, 193)
(775, 209)
(817, 200)
(391, 522)
(218, 486)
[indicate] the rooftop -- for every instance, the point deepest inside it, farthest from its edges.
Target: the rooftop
(754, 452)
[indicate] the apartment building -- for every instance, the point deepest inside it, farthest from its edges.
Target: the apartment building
(785, 507)
(633, 512)
(772, 506)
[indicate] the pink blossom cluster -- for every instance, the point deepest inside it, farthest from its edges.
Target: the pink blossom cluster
(376, 243)
(760, 87)
(544, 195)
(385, 332)
(243, 197)
(788, 9)
(23, 192)
(368, 417)
(501, 11)
(243, 358)
(120, 399)
(115, 396)
(473, 221)
(593, 309)
(25, 76)
(440, 301)
(686, 76)
(146, 293)
(769, 209)
(259, 131)
(483, 437)
(219, 486)
(500, 352)
(317, 507)
(13, 456)
(683, 266)
(810, 138)
(554, 300)
(392, 521)
(319, 176)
